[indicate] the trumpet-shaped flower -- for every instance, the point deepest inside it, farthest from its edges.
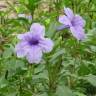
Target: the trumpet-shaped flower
(75, 22)
(32, 44)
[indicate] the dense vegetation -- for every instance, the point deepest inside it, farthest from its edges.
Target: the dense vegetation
(69, 69)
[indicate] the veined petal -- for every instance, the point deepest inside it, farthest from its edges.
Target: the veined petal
(78, 32)
(21, 49)
(78, 21)
(69, 13)
(46, 45)
(37, 29)
(64, 20)
(34, 55)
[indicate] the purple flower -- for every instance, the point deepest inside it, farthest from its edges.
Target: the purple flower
(32, 44)
(75, 22)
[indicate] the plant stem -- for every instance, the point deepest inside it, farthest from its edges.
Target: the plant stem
(31, 73)
(51, 83)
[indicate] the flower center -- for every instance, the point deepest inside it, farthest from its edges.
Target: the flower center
(33, 41)
(73, 23)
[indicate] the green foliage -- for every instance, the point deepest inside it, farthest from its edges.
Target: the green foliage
(69, 70)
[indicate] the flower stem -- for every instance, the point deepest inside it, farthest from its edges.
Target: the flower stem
(51, 83)
(31, 73)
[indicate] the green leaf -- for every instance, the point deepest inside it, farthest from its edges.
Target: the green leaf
(51, 29)
(91, 79)
(93, 48)
(64, 91)
(7, 53)
(3, 82)
(39, 69)
(79, 94)
(44, 94)
(57, 54)
(83, 70)
(43, 75)
(12, 94)
(13, 64)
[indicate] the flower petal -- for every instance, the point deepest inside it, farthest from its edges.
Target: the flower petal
(46, 45)
(78, 32)
(37, 29)
(78, 21)
(25, 36)
(34, 55)
(64, 20)
(62, 27)
(21, 49)
(69, 13)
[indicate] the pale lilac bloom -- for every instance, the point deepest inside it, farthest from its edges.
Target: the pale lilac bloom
(32, 44)
(75, 22)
